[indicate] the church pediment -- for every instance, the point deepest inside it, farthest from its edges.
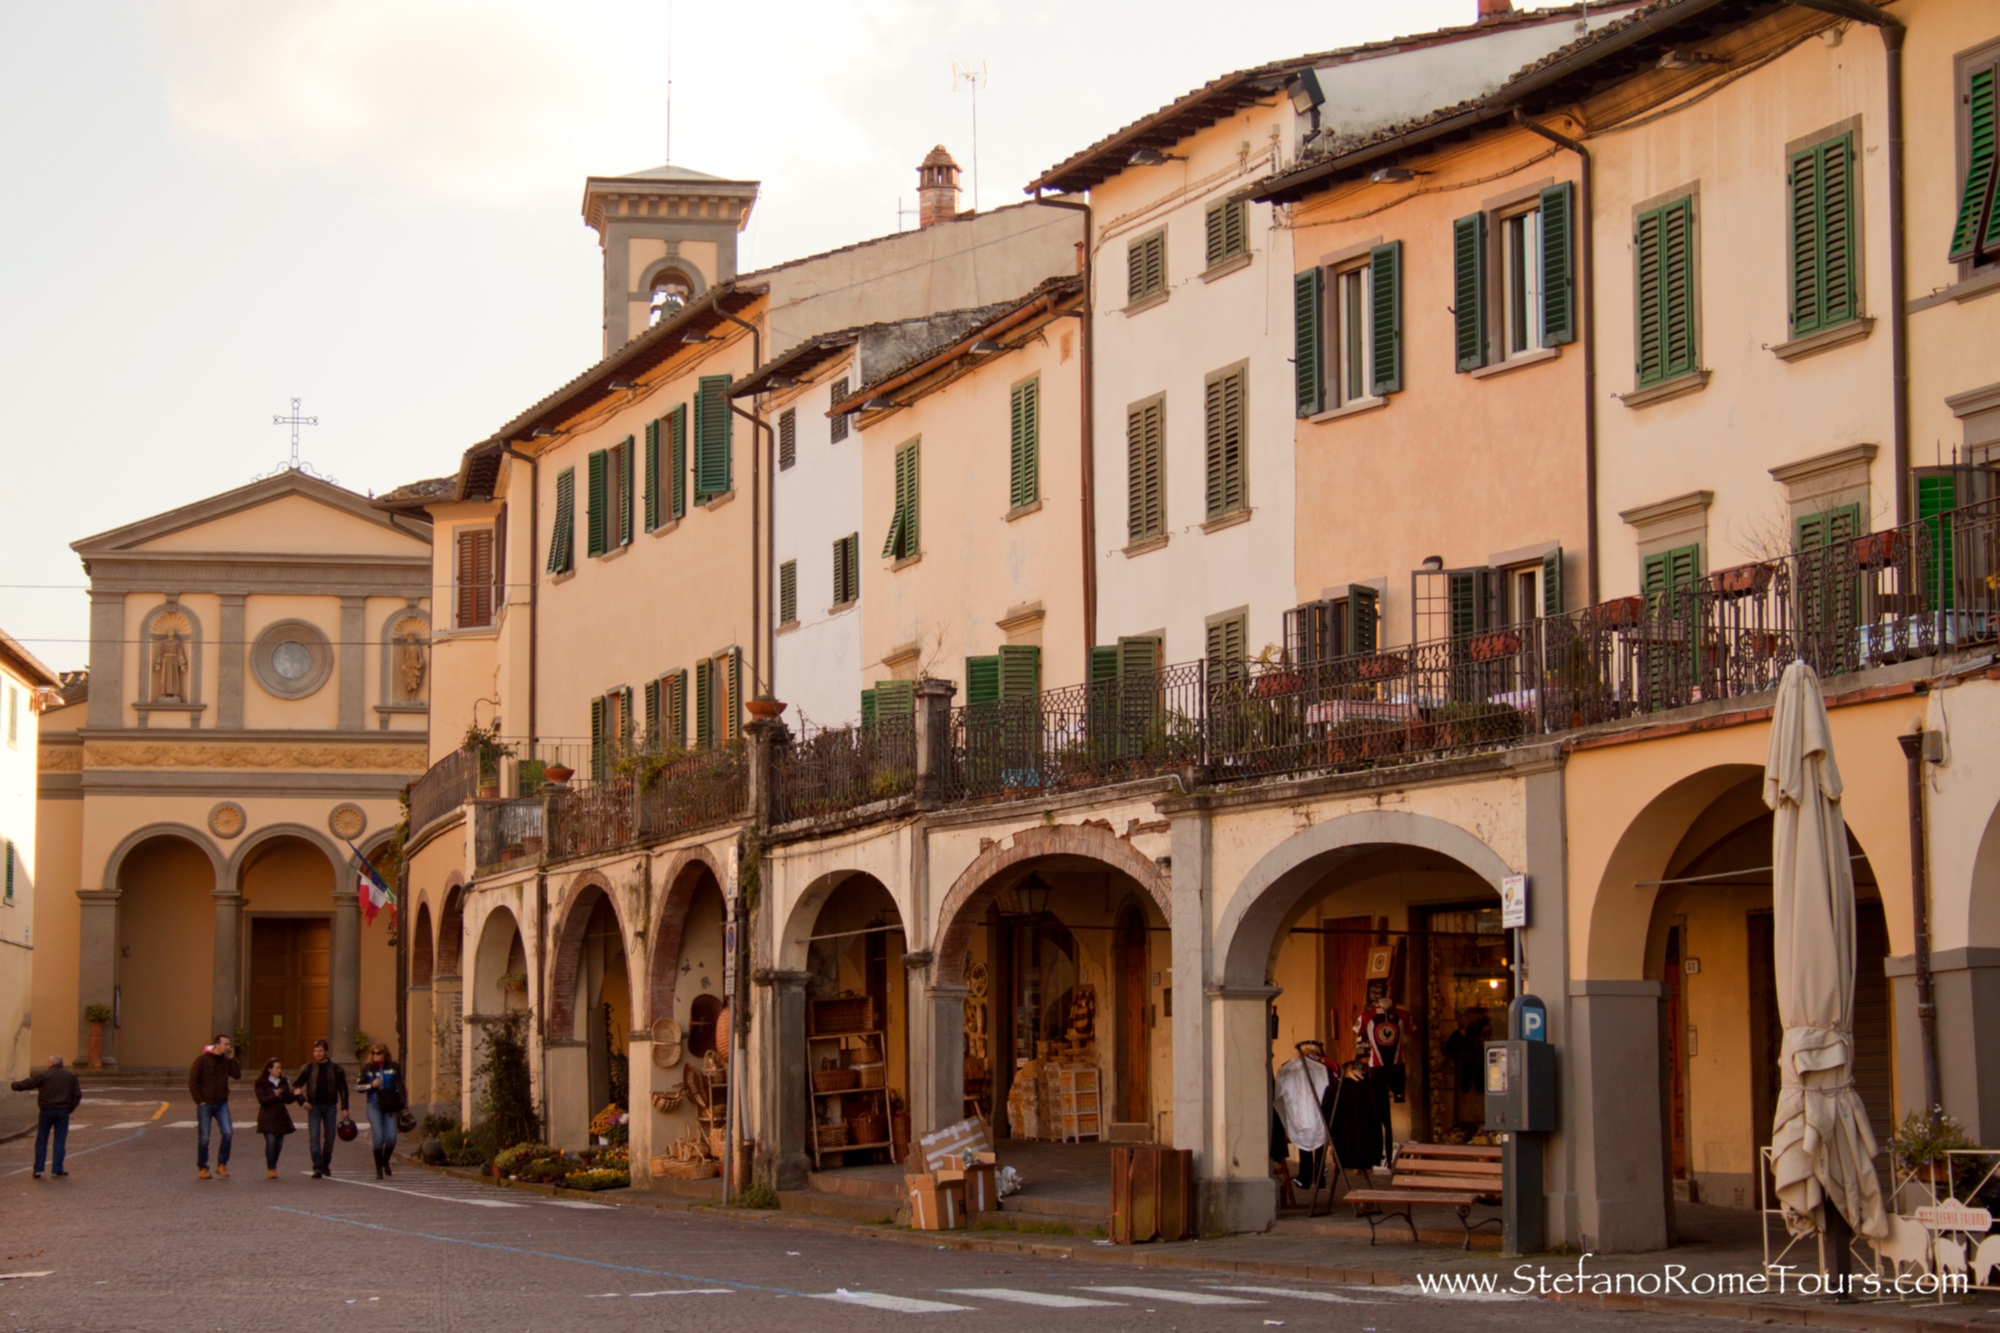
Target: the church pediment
(291, 514)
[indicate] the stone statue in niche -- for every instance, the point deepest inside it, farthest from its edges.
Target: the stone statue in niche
(170, 662)
(410, 663)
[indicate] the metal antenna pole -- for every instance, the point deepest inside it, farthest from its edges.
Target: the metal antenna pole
(670, 81)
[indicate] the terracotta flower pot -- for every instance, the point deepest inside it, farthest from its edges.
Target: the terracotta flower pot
(96, 1060)
(764, 709)
(489, 791)
(558, 773)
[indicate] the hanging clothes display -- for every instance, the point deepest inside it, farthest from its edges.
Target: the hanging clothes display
(1297, 1094)
(1356, 1126)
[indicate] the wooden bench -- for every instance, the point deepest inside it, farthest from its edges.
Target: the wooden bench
(1459, 1176)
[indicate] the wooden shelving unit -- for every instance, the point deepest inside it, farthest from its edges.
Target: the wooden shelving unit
(841, 1104)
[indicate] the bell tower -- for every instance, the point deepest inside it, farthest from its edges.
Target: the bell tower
(668, 235)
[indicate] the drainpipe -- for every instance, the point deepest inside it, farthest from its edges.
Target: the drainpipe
(1586, 281)
(534, 583)
(1920, 915)
(1892, 30)
(759, 538)
(1086, 434)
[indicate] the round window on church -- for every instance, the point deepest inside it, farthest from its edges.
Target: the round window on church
(292, 660)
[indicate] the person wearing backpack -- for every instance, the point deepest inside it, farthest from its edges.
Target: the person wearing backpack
(382, 1079)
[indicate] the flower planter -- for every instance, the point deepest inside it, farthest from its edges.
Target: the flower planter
(510, 854)
(1743, 580)
(531, 846)
(489, 791)
(764, 709)
(1877, 550)
(96, 1057)
(558, 774)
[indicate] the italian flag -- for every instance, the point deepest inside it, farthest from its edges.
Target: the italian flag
(375, 892)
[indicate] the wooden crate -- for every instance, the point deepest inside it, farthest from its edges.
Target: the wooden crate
(849, 1013)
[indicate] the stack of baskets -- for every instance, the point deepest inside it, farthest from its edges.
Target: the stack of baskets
(835, 1080)
(831, 1136)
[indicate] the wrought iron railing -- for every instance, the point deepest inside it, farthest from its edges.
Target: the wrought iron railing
(506, 831)
(448, 784)
(700, 789)
(826, 772)
(584, 820)
(1130, 726)
(1969, 576)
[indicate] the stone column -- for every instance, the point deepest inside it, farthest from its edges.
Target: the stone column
(1615, 1122)
(224, 1012)
(97, 964)
(1545, 975)
(420, 1048)
(933, 744)
(107, 663)
(1236, 1193)
(230, 651)
(344, 986)
(1965, 983)
(782, 1162)
(639, 1076)
(943, 1084)
(352, 663)
(448, 1044)
(1192, 1074)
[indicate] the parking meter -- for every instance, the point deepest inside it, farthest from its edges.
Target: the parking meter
(1520, 1109)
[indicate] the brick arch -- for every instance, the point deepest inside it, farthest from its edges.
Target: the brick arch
(566, 957)
(451, 926)
(693, 869)
(422, 952)
(990, 871)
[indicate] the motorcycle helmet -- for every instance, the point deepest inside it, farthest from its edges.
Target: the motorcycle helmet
(346, 1130)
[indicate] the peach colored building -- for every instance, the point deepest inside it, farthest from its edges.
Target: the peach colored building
(27, 688)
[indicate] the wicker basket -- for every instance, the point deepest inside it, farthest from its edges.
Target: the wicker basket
(870, 1128)
(830, 1136)
(849, 1013)
(835, 1080)
(872, 1076)
(718, 1143)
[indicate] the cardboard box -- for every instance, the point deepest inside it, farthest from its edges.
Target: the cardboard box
(936, 1204)
(982, 1187)
(953, 1142)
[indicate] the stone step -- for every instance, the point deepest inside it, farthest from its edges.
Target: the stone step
(822, 1204)
(856, 1187)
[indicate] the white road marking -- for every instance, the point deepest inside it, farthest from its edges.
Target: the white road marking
(9, 1277)
(1421, 1294)
(178, 1124)
(1048, 1299)
(1168, 1294)
(420, 1194)
(129, 1124)
(577, 1203)
(689, 1291)
(876, 1300)
(1324, 1297)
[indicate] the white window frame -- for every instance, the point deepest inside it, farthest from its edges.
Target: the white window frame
(1351, 322)
(1519, 274)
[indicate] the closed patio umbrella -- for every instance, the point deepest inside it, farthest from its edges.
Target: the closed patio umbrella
(1821, 1146)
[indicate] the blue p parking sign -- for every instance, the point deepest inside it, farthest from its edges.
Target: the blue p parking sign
(1528, 1019)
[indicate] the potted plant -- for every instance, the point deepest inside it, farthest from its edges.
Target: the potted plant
(486, 748)
(764, 707)
(1923, 1145)
(558, 774)
(514, 983)
(97, 1015)
(513, 851)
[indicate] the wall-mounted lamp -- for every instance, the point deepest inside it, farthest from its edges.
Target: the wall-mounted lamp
(1305, 92)
(541, 433)
(625, 385)
(986, 347)
(1391, 176)
(879, 403)
(1151, 157)
(697, 336)
(1433, 562)
(1680, 57)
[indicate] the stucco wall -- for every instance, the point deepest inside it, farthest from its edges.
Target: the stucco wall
(18, 825)
(816, 502)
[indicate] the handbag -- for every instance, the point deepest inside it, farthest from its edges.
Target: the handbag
(406, 1121)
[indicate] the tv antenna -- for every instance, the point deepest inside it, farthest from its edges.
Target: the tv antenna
(902, 212)
(972, 75)
(670, 82)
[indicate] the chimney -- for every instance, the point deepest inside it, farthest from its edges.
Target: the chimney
(937, 187)
(1489, 10)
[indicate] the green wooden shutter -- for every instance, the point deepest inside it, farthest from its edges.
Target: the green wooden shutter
(1669, 576)
(624, 718)
(1385, 333)
(867, 708)
(1135, 270)
(895, 698)
(1224, 444)
(836, 430)
(704, 704)
(1362, 618)
(846, 569)
(597, 526)
(1663, 243)
(1462, 602)
(1138, 655)
(1468, 290)
(1145, 471)
(982, 680)
(1226, 231)
(1827, 527)
(1025, 444)
(1937, 497)
(677, 462)
(903, 541)
(1226, 650)
(652, 475)
(1822, 236)
(1559, 264)
(1552, 583)
(1976, 201)
(1146, 267)
(677, 707)
(733, 721)
(1309, 340)
(788, 592)
(597, 759)
(1020, 671)
(562, 539)
(714, 431)
(653, 718)
(624, 452)
(788, 438)
(1104, 662)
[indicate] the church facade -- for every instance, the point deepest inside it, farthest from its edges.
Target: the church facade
(256, 701)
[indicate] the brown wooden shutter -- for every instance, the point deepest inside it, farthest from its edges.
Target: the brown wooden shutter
(475, 579)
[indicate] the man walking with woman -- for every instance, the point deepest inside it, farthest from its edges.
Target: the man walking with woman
(273, 1120)
(322, 1086)
(208, 1084)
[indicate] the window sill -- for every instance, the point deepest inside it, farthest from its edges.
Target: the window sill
(1147, 302)
(564, 577)
(717, 501)
(906, 562)
(1228, 520)
(1145, 545)
(665, 528)
(1971, 289)
(1520, 361)
(1693, 382)
(1022, 511)
(1853, 331)
(614, 552)
(415, 706)
(1226, 267)
(786, 626)
(473, 632)
(1349, 409)
(839, 607)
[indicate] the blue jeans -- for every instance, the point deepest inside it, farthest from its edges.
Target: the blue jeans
(382, 1126)
(219, 1113)
(56, 1119)
(320, 1121)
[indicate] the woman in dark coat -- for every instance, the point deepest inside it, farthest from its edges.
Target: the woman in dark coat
(273, 1120)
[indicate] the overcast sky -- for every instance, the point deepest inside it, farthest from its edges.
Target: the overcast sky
(214, 205)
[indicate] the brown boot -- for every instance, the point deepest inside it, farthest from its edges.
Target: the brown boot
(222, 1170)
(201, 1174)
(270, 1175)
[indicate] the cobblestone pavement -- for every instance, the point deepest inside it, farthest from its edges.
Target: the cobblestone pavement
(132, 1240)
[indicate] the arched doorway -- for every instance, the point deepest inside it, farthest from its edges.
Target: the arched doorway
(287, 887)
(164, 1002)
(420, 1057)
(447, 1026)
(1710, 945)
(685, 987)
(589, 1015)
(857, 1018)
(499, 987)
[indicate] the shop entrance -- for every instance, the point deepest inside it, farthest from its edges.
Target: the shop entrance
(290, 971)
(857, 1030)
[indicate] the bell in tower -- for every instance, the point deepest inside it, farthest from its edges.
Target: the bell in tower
(668, 235)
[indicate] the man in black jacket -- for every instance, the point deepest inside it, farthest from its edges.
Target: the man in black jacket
(208, 1084)
(57, 1093)
(322, 1086)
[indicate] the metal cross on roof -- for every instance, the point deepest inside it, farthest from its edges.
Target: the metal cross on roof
(296, 420)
